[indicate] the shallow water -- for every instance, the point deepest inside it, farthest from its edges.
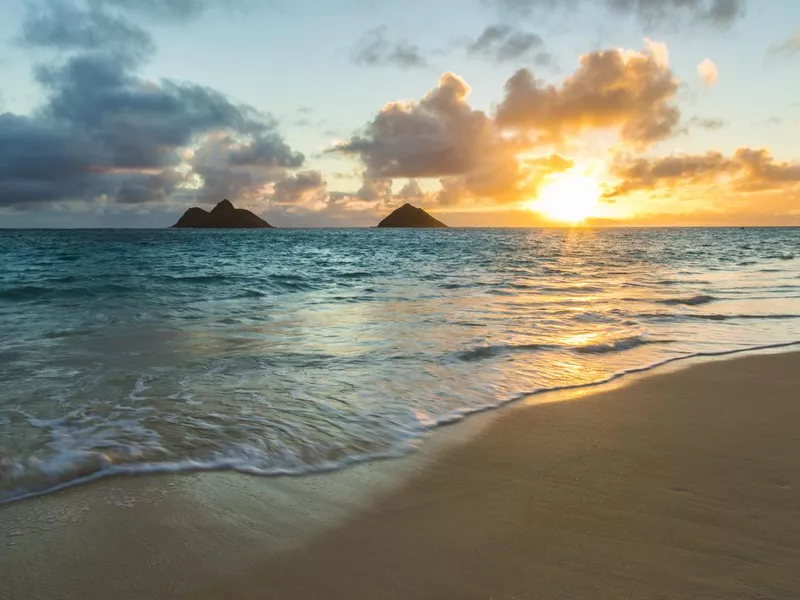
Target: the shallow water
(287, 351)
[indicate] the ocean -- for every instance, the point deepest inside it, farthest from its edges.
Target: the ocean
(293, 351)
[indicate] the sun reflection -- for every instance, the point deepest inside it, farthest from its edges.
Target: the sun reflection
(567, 198)
(580, 339)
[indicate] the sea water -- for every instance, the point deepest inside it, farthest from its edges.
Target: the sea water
(294, 351)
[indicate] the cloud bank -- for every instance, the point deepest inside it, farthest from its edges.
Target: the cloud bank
(105, 134)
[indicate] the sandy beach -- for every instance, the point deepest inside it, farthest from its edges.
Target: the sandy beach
(679, 484)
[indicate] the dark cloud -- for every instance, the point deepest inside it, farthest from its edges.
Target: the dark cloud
(505, 43)
(106, 133)
(652, 12)
(141, 124)
(632, 92)
(42, 162)
(746, 171)
(61, 25)
(139, 188)
(376, 49)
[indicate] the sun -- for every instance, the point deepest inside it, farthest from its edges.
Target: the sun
(567, 198)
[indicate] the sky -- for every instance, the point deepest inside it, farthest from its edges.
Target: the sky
(512, 113)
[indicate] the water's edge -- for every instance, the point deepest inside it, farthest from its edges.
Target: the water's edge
(397, 451)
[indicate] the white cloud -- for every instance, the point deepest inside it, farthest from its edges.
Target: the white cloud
(708, 72)
(659, 51)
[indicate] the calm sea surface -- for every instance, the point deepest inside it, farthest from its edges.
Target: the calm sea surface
(290, 351)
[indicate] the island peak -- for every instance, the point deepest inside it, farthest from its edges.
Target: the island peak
(224, 206)
(409, 215)
(223, 216)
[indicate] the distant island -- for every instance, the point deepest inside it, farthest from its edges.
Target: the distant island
(410, 216)
(223, 216)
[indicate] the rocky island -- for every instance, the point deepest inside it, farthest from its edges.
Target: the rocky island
(410, 216)
(223, 216)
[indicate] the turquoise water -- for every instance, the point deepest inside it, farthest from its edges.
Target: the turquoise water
(291, 351)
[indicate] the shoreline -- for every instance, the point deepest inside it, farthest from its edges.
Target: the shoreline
(158, 469)
(186, 536)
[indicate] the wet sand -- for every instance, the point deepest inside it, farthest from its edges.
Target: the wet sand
(676, 485)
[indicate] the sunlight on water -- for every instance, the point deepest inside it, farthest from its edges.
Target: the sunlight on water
(300, 350)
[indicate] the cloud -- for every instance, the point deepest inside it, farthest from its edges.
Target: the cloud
(375, 189)
(141, 124)
(301, 187)
(169, 10)
(706, 123)
(503, 43)
(244, 170)
(106, 134)
(652, 12)
(411, 191)
(42, 162)
(659, 51)
(631, 92)
(266, 149)
(376, 49)
(790, 46)
(62, 26)
(442, 137)
(707, 71)
(480, 158)
(761, 171)
(747, 170)
(140, 188)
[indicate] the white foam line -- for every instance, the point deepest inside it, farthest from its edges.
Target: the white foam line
(234, 464)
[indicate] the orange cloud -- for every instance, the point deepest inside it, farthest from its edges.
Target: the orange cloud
(626, 91)
(484, 159)
(747, 170)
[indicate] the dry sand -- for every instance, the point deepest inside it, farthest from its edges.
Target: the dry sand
(679, 485)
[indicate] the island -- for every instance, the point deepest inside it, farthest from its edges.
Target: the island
(223, 216)
(410, 216)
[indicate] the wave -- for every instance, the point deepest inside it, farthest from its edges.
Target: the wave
(481, 352)
(618, 345)
(34, 292)
(86, 467)
(688, 301)
(715, 316)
